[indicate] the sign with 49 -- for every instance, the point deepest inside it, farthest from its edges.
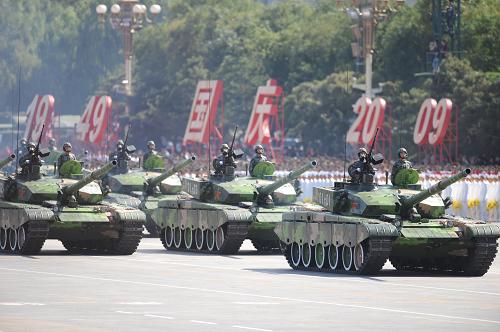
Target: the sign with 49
(92, 125)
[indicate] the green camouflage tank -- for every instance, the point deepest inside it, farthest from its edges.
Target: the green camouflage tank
(143, 189)
(359, 226)
(66, 209)
(225, 210)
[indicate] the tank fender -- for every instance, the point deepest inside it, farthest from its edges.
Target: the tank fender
(130, 215)
(482, 230)
(15, 218)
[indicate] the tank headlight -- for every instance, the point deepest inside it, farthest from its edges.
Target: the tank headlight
(253, 209)
(397, 223)
(449, 223)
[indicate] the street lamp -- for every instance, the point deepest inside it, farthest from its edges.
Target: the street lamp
(365, 15)
(128, 16)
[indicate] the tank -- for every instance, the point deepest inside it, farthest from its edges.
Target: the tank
(358, 227)
(68, 210)
(143, 189)
(225, 210)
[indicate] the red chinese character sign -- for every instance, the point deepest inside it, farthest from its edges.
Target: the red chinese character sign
(431, 132)
(201, 122)
(371, 115)
(39, 113)
(93, 123)
(265, 117)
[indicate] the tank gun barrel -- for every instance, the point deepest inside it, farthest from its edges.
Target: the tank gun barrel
(95, 175)
(7, 160)
(153, 182)
(268, 189)
(409, 202)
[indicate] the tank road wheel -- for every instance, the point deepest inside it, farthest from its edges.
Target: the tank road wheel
(188, 237)
(295, 251)
(178, 237)
(210, 239)
(220, 238)
(359, 256)
(319, 255)
(306, 254)
(347, 257)
(198, 238)
(21, 237)
(333, 257)
(4, 239)
(13, 239)
(169, 237)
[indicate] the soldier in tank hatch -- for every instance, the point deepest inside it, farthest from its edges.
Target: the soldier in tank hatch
(66, 156)
(223, 160)
(360, 167)
(401, 163)
(151, 151)
(31, 161)
(259, 156)
(121, 156)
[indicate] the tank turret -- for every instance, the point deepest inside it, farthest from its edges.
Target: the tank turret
(151, 183)
(269, 188)
(243, 189)
(7, 160)
(407, 203)
(95, 175)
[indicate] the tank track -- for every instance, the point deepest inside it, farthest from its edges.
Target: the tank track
(480, 258)
(127, 244)
(151, 227)
(379, 250)
(36, 233)
(235, 234)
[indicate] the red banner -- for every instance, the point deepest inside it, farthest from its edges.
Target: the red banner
(203, 112)
(39, 113)
(432, 122)
(265, 106)
(92, 125)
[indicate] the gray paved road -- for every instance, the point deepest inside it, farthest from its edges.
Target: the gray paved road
(153, 290)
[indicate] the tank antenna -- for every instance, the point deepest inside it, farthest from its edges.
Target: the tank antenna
(18, 110)
(345, 154)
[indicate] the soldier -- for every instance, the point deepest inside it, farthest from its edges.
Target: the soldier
(121, 156)
(52, 144)
(402, 163)
(31, 161)
(360, 167)
(223, 160)
(151, 151)
(66, 156)
(259, 156)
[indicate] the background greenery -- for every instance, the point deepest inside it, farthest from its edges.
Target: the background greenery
(305, 45)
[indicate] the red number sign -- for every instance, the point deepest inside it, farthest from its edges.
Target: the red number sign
(94, 120)
(370, 117)
(432, 121)
(265, 106)
(39, 113)
(203, 111)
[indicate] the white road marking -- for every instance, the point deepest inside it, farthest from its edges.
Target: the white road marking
(125, 312)
(158, 316)
(202, 322)
(140, 303)
(250, 328)
(267, 297)
(256, 303)
(20, 304)
(351, 279)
